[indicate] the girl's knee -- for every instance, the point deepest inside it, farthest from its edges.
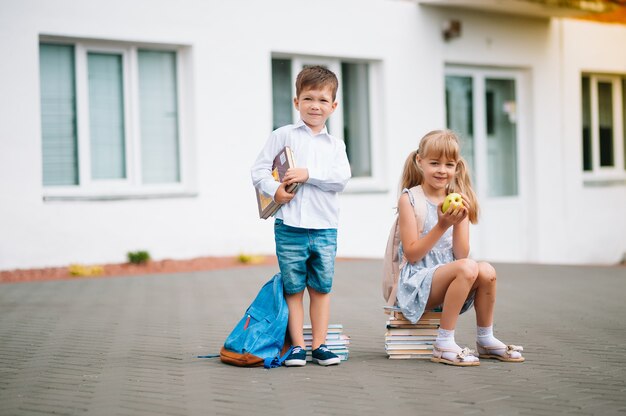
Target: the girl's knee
(468, 270)
(486, 272)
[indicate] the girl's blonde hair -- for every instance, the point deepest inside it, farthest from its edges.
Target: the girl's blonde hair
(435, 144)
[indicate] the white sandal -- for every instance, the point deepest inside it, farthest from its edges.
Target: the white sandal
(461, 359)
(488, 352)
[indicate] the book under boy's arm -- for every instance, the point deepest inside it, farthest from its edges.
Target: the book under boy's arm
(334, 175)
(261, 171)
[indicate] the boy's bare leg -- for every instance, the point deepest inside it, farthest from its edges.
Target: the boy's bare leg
(320, 314)
(296, 318)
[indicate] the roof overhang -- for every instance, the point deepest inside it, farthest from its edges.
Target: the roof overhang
(533, 8)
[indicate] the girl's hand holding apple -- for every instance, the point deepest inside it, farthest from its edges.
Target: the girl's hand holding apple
(452, 215)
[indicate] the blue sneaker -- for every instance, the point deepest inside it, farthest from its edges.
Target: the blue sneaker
(297, 358)
(323, 356)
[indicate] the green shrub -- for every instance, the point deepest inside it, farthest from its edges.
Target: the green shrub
(138, 257)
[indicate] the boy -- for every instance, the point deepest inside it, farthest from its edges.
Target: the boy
(305, 228)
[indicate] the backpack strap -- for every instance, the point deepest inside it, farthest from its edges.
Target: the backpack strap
(418, 201)
(273, 362)
(419, 205)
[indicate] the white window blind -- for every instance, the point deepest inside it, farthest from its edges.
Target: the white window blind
(106, 116)
(58, 115)
(158, 117)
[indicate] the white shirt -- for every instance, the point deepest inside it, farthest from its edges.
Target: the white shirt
(316, 203)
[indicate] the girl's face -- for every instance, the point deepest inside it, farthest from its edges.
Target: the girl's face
(438, 171)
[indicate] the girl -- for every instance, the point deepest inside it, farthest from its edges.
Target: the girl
(436, 271)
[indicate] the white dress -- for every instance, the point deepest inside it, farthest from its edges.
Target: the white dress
(416, 278)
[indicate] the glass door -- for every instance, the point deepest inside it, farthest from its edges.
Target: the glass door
(483, 108)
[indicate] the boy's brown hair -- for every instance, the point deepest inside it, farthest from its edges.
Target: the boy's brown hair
(316, 77)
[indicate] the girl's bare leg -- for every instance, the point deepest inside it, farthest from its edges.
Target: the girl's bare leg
(485, 298)
(451, 285)
(484, 302)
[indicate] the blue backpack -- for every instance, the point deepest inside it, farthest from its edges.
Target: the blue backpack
(259, 337)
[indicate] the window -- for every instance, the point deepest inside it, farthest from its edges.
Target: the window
(109, 118)
(354, 122)
(481, 107)
(603, 126)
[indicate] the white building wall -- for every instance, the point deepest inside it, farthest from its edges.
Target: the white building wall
(229, 111)
(596, 225)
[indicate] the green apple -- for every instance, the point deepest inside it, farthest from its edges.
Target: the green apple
(453, 200)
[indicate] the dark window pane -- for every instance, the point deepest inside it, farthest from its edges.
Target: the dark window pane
(586, 133)
(356, 117)
(281, 92)
(501, 109)
(460, 114)
(605, 118)
(624, 117)
(490, 109)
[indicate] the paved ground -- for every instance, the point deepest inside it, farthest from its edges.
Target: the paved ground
(128, 346)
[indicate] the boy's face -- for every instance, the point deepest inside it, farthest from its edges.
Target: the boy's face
(315, 106)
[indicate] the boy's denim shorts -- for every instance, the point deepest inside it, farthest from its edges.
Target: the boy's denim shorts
(306, 257)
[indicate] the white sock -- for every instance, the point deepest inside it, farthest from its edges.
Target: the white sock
(445, 340)
(485, 338)
(445, 336)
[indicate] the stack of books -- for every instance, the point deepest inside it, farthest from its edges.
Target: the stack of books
(404, 340)
(336, 341)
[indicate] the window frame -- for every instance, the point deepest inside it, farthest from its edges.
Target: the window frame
(479, 77)
(599, 173)
(130, 187)
(367, 184)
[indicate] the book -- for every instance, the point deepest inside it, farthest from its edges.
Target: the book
(413, 326)
(397, 313)
(309, 336)
(330, 326)
(410, 326)
(411, 331)
(410, 356)
(407, 322)
(329, 342)
(429, 341)
(426, 316)
(332, 329)
(390, 347)
(283, 161)
(414, 338)
(421, 351)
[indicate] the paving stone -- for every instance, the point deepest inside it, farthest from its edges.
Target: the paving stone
(129, 346)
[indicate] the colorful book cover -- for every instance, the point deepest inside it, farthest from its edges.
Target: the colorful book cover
(282, 162)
